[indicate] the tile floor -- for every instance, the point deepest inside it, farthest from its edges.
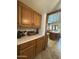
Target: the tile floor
(51, 52)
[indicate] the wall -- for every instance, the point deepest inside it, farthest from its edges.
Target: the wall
(43, 24)
(57, 7)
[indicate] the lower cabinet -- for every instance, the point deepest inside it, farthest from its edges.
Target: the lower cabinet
(30, 49)
(39, 45)
(28, 53)
(46, 41)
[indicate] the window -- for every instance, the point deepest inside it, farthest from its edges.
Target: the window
(54, 17)
(54, 21)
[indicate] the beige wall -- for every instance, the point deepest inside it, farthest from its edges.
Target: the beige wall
(43, 24)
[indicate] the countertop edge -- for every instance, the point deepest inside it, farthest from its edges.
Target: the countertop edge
(30, 38)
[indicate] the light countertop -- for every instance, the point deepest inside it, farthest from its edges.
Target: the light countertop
(28, 38)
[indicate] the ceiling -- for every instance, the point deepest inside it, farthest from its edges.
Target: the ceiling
(41, 6)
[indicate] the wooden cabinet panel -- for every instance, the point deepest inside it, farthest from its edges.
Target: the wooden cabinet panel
(25, 15)
(46, 40)
(27, 44)
(39, 45)
(37, 20)
(28, 52)
(32, 48)
(26, 18)
(18, 14)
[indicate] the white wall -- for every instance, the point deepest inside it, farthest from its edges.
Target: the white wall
(43, 24)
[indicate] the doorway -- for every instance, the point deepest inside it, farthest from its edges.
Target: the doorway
(53, 29)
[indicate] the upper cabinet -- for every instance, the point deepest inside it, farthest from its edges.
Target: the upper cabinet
(18, 14)
(37, 20)
(27, 17)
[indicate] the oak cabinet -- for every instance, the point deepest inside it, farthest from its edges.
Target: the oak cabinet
(32, 48)
(18, 14)
(27, 17)
(29, 52)
(26, 50)
(46, 41)
(39, 45)
(37, 20)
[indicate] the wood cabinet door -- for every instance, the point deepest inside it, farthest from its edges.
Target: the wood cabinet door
(18, 14)
(39, 45)
(37, 20)
(28, 53)
(38, 48)
(46, 40)
(44, 43)
(26, 17)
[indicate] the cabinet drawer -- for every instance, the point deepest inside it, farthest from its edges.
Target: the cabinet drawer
(27, 44)
(40, 39)
(28, 52)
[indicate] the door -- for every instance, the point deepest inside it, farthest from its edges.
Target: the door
(18, 14)
(26, 17)
(46, 40)
(37, 20)
(39, 45)
(28, 53)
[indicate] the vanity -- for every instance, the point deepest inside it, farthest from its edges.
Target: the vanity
(30, 46)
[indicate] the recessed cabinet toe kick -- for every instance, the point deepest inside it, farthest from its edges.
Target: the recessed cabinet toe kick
(29, 50)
